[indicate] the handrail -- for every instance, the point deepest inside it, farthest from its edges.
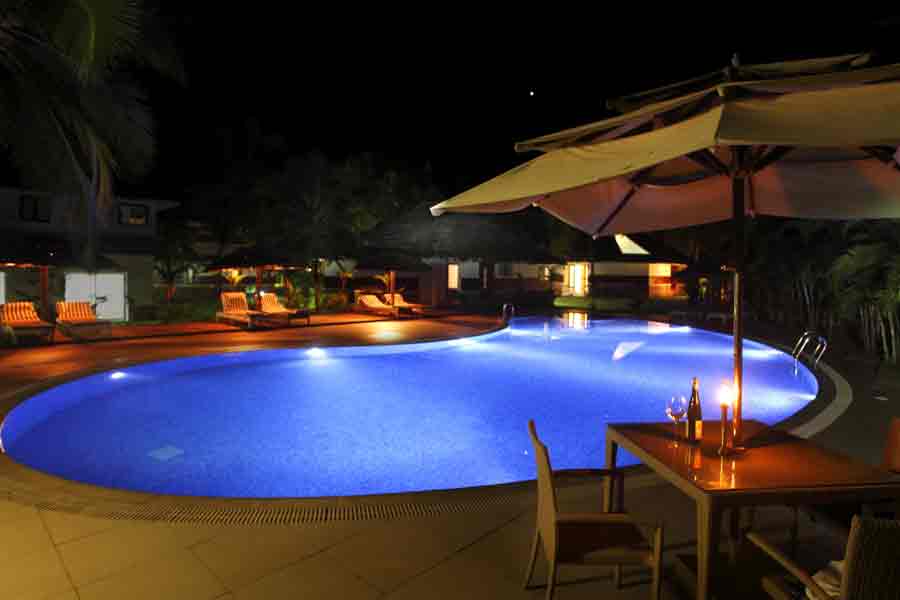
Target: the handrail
(508, 312)
(803, 341)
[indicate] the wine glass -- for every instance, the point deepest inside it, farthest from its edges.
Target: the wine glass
(675, 409)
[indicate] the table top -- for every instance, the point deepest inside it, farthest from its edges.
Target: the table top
(773, 460)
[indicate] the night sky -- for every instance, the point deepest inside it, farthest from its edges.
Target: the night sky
(452, 90)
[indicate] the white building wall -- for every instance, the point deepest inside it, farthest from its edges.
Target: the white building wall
(2, 287)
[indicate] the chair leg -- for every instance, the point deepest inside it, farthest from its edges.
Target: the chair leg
(534, 552)
(551, 581)
(617, 576)
(795, 530)
(657, 563)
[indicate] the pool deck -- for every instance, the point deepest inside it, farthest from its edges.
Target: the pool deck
(479, 552)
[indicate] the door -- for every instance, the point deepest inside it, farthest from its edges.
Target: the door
(577, 276)
(107, 291)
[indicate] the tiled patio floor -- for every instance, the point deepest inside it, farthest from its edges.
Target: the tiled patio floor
(477, 554)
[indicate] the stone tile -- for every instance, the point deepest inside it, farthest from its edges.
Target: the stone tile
(507, 550)
(314, 577)
(68, 595)
(65, 527)
(178, 575)
(34, 575)
(11, 511)
(191, 534)
(459, 577)
(394, 552)
(245, 554)
(22, 537)
(100, 555)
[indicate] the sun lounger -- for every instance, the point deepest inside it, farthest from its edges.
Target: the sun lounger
(403, 305)
(24, 321)
(77, 320)
(370, 303)
(271, 307)
(236, 312)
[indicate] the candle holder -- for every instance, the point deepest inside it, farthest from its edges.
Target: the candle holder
(723, 444)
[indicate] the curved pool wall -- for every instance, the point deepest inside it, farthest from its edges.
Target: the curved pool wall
(384, 419)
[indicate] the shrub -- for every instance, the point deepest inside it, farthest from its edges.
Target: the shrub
(7, 336)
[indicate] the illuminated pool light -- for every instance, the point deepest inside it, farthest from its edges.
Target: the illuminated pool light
(117, 375)
(316, 353)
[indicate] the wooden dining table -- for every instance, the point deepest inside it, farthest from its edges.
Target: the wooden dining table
(773, 468)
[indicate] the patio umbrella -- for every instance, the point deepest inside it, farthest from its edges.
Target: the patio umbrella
(809, 139)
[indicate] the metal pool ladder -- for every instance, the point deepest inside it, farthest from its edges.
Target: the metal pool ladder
(803, 341)
(508, 312)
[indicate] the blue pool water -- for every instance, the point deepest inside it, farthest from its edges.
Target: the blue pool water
(380, 419)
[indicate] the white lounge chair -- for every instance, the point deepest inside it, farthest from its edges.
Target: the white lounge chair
(371, 304)
(271, 307)
(587, 538)
(236, 312)
(403, 305)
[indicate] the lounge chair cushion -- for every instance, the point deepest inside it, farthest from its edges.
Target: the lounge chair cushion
(75, 312)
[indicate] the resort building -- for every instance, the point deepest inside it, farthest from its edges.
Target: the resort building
(49, 229)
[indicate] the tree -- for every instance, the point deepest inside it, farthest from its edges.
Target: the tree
(70, 114)
(174, 254)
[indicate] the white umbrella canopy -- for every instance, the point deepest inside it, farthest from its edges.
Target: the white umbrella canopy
(806, 139)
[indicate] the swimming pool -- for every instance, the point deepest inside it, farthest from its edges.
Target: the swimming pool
(383, 419)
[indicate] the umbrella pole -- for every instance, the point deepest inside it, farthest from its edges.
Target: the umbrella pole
(737, 189)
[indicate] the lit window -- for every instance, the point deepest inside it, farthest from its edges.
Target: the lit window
(628, 245)
(544, 273)
(660, 270)
(133, 214)
(452, 276)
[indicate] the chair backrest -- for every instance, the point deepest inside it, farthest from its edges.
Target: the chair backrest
(371, 300)
(74, 311)
(270, 303)
(393, 299)
(234, 302)
(871, 563)
(546, 501)
(18, 312)
(891, 460)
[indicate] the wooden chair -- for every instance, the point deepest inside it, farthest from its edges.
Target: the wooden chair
(587, 538)
(77, 320)
(24, 321)
(271, 307)
(871, 565)
(371, 304)
(837, 516)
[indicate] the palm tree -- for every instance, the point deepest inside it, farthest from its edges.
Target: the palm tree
(70, 114)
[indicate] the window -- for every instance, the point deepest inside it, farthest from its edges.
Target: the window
(34, 208)
(504, 269)
(133, 214)
(544, 273)
(453, 276)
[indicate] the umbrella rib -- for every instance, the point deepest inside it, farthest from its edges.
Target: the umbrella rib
(616, 210)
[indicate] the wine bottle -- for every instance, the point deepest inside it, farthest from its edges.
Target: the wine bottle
(695, 396)
(694, 414)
